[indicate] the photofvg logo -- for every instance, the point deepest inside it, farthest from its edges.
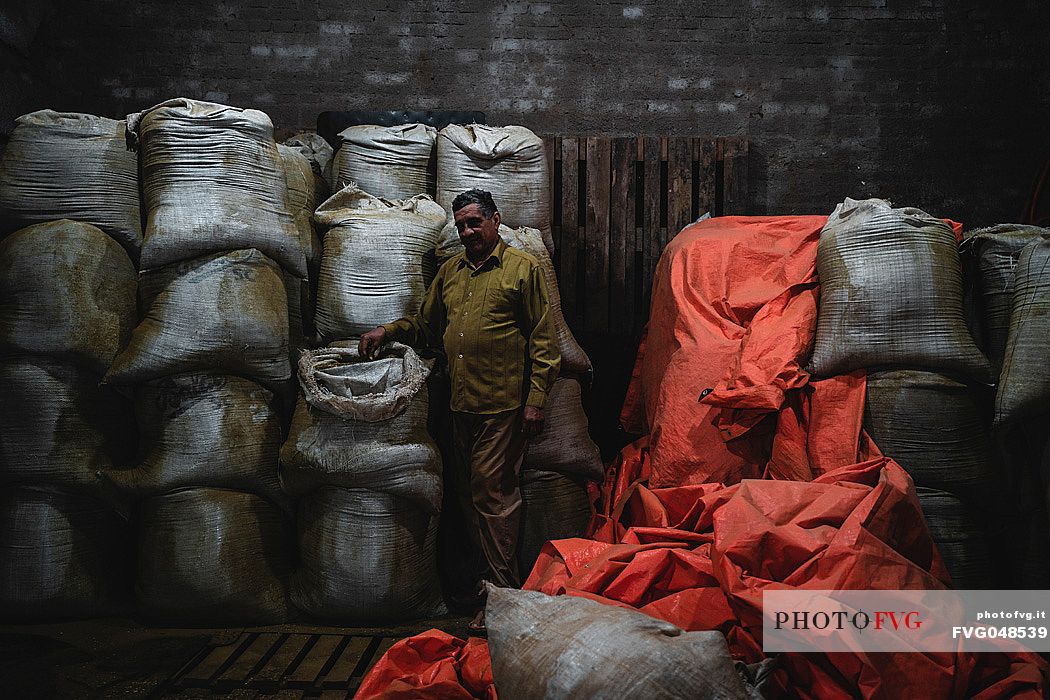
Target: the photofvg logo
(881, 621)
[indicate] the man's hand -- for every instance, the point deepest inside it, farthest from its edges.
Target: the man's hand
(370, 342)
(532, 422)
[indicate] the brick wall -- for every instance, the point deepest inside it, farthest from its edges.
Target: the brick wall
(936, 104)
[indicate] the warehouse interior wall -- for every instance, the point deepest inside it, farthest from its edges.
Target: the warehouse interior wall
(936, 104)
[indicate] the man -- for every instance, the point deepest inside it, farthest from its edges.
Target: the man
(488, 307)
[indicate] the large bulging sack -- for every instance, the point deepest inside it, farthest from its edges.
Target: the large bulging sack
(372, 265)
(305, 190)
(931, 425)
(997, 250)
(392, 162)
(62, 556)
(204, 430)
(213, 556)
(554, 507)
(68, 291)
(59, 426)
(569, 647)
(318, 151)
(365, 556)
(363, 425)
(224, 313)
(1024, 383)
(564, 445)
(211, 182)
(959, 534)
(62, 165)
(891, 294)
(509, 162)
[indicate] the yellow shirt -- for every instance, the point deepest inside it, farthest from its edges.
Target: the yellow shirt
(494, 323)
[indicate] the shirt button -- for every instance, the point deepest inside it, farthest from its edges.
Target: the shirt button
(460, 335)
(460, 356)
(470, 294)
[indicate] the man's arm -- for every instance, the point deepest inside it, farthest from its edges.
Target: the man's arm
(541, 348)
(421, 328)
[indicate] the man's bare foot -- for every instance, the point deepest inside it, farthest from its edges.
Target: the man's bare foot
(477, 625)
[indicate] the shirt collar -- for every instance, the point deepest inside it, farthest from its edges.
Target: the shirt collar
(496, 255)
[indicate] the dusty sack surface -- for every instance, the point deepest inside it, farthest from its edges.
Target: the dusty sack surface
(392, 162)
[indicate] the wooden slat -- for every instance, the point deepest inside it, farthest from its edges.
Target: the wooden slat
(569, 224)
(309, 669)
(734, 176)
(270, 675)
(242, 694)
(333, 695)
(651, 217)
(287, 694)
(549, 146)
(596, 270)
(340, 674)
(621, 235)
(706, 187)
(679, 185)
(238, 672)
(214, 662)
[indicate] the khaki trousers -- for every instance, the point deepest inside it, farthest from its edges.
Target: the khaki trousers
(489, 451)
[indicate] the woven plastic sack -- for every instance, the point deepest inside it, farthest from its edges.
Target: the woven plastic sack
(61, 556)
(224, 313)
(1024, 383)
(365, 556)
(997, 250)
(392, 162)
(314, 147)
(59, 426)
(363, 425)
(305, 190)
(372, 265)
(212, 181)
(564, 444)
(569, 647)
(891, 294)
(68, 291)
(932, 426)
(509, 162)
(213, 556)
(554, 507)
(204, 430)
(63, 165)
(960, 536)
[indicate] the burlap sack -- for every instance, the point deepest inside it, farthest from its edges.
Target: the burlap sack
(564, 444)
(365, 557)
(224, 313)
(372, 265)
(68, 292)
(363, 425)
(569, 647)
(959, 533)
(509, 162)
(213, 556)
(62, 555)
(314, 147)
(204, 430)
(891, 294)
(59, 426)
(62, 165)
(1024, 383)
(211, 182)
(392, 162)
(554, 507)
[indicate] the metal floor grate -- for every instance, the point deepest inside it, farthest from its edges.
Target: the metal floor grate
(281, 665)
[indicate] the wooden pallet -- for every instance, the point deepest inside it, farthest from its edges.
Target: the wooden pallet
(617, 202)
(280, 665)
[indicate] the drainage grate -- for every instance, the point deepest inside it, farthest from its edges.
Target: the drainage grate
(261, 664)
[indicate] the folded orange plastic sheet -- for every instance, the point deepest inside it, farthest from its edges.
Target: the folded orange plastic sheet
(733, 316)
(433, 664)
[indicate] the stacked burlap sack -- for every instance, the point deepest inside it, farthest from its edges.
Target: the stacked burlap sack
(891, 303)
(206, 362)
(1012, 288)
(68, 293)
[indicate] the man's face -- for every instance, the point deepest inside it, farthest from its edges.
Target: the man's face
(477, 233)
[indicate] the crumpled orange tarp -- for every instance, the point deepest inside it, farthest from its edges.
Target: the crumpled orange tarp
(685, 530)
(733, 315)
(433, 664)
